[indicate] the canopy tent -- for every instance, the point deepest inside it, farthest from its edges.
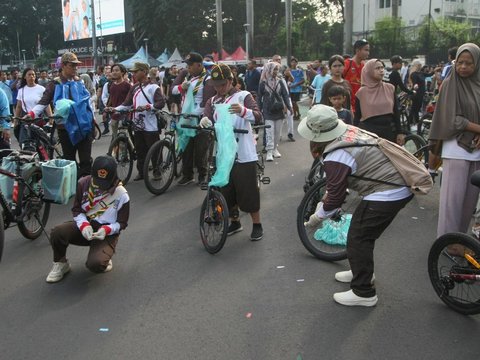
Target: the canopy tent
(140, 56)
(175, 59)
(225, 55)
(238, 54)
(163, 57)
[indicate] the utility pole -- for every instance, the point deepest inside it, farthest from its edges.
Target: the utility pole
(427, 47)
(94, 35)
(218, 5)
(250, 21)
(288, 16)
(395, 19)
(348, 27)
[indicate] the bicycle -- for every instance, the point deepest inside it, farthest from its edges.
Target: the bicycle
(214, 213)
(162, 162)
(405, 102)
(122, 148)
(261, 178)
(454, 269)
(28, 209)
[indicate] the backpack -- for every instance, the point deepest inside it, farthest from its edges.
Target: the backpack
(274, 101)
(412, 170)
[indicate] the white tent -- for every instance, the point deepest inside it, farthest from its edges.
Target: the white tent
(140, 56)
(175, 59)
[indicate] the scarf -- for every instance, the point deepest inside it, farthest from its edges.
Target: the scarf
(200, 81)
(267, 75)
(458, 96)
(376, 97)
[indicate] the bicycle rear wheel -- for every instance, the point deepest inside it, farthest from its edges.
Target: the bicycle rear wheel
(313, 239)
(417, 146)
(97, 132)
(159, 167)
(214, 221)
(2, 234)
(456, 280)
(35, 211)
(123, 154)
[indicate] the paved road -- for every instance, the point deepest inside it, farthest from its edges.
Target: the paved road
(166, 298)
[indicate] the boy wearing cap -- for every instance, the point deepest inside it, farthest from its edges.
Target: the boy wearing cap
(195, 79)
(68, 84)
(242, 191)
(343, 154)
(143, 97)
(100, 211)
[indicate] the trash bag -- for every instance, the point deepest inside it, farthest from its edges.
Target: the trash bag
(334, 232)
(226, 145)
(62, 108)
(184, 135)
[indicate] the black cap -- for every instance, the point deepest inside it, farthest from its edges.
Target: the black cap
(104, 171)
(193, 57)
(220, 73)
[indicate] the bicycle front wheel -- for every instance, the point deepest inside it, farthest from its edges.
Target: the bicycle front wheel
(121, 151)
(417, 146)
(159, 167)
(97, 132)
(35, 211)
(331, 246)
(214, 221)
(456, 280)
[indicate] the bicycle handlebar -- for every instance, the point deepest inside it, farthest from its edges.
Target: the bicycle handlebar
(255, 127)
(196, 127)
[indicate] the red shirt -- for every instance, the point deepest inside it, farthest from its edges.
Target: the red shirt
(353, 74)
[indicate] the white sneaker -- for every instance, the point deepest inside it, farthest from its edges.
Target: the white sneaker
(276, 154)
(348, 298)
(347, 276)
(269, 155)
(109, 266)
(59, 269)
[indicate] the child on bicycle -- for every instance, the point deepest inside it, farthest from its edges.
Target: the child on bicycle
(100, 211)
(242, 191)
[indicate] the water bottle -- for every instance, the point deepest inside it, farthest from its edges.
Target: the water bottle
(173, 125)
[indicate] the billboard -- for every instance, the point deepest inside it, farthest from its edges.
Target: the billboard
(77, 18)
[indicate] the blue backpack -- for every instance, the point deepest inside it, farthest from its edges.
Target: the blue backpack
(80, 116)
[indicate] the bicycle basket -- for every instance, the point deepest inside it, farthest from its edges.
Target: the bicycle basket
(6, 183)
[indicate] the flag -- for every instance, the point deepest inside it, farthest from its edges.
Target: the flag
(39, 45)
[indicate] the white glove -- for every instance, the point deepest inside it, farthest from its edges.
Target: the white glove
(313, 222)
(205, 122)
(100, 234)
(87, 232)
(185, 85)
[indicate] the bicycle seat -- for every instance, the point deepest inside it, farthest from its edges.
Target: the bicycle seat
(475, 179)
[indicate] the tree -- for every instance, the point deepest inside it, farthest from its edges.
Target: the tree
(387, 38)
(444, 33)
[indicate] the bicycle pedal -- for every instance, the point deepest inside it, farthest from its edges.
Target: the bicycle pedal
(265, 180)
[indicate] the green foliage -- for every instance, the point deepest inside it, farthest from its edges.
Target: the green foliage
(44, 60)
(388, 37)
(445, 33)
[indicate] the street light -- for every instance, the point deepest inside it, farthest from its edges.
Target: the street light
(247, 35)
(146, 47)
(24, 61)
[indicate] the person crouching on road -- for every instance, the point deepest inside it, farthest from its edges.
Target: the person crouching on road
(343, 155)
(242, 191)
(100, 211)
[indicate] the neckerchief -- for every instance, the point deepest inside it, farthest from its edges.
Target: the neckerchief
(199, 83)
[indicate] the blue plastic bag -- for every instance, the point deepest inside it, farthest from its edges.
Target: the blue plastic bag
(184, 135)
(334, 232)
(226, 145)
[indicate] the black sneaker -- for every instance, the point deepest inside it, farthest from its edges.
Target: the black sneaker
(290, 137)
(185, 181)
(257, 232)
(234, 227)
(202, 181)
(106, 131)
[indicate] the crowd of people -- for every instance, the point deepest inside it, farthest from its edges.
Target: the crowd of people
(352, 100)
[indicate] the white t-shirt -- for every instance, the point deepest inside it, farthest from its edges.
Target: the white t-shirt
(30, 96)
(451, 150)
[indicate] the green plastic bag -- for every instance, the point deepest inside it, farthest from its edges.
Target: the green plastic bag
(334, 232)
(184, 135)
(226, 145)
(62, 108)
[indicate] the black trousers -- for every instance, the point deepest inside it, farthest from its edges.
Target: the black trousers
(143, 142)
(84, 149)
(197, 152)
(369, 221)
